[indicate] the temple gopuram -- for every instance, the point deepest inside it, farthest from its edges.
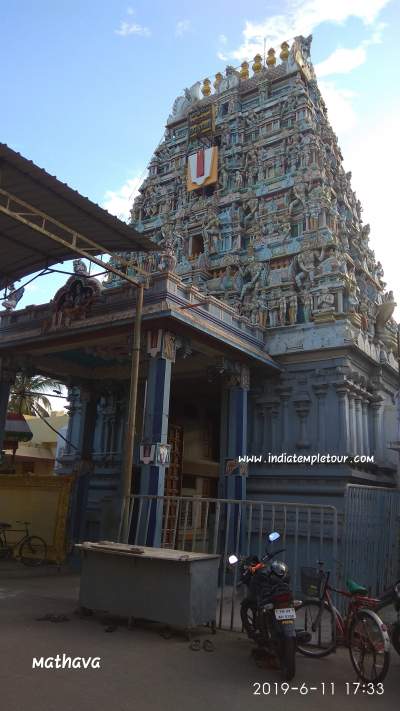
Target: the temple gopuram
(267, 325)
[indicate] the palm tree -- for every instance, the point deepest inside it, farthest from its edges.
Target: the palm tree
(26, 395)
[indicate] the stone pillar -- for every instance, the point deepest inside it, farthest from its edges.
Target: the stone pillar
(353, 424)
(267, 440)
(359, 425)
(7, 377)
(83, 442)
(377, 427)
(320, 392)
(285, 439)
(156, 415)
(344, 419)
(236, 445)
(274, 428)
(235, 486)
(72, 445)
(303, 408)
(258, 433)
(365, 413)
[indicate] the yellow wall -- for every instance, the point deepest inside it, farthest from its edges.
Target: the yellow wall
(32, 465)
(37, 456)
(44, 501)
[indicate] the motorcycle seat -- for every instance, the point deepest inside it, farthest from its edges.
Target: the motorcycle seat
(355, 589)
(4, 525)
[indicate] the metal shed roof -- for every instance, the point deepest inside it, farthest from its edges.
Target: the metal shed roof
(24, 250)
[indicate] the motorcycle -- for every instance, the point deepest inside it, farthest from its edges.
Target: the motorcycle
(267, 612)
(391, 596)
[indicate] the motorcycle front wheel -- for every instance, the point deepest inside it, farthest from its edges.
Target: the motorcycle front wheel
(287, 657)
(248, 617)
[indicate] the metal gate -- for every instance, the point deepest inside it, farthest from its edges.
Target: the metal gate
(308, 532)
(371, 537)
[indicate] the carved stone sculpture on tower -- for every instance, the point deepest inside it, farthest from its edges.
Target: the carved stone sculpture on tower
(211, 232)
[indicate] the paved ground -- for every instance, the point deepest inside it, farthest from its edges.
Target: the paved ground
(140, 671)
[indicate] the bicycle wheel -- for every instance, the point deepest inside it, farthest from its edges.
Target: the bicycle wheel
(318, 620)
(369, 646)
(33, 551)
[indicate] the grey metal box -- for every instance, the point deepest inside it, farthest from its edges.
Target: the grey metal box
(176, 588)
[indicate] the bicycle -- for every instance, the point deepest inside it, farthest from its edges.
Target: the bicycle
(32, 550)
(360, 629)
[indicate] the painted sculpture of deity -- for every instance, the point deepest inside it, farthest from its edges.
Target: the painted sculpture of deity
(211, 233)
(250, 275)
(307, 303)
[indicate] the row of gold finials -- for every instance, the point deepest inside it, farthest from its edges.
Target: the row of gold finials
(244, 68)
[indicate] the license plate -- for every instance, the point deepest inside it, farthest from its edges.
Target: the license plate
(285, 613)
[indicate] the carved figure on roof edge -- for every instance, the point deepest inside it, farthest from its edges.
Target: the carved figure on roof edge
(14, 296)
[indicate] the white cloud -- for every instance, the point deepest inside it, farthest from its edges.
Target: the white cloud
(130, 11)
(182, 27)
(222, 39)
(302, 17)
(341, 61)
(341, 114)
(32, 287)
(132, 28)
(223, 57)
(373, 158)
(119, 202)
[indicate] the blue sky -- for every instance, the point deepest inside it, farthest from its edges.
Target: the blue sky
(86, 87)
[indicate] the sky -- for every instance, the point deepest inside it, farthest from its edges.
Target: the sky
(86, 87)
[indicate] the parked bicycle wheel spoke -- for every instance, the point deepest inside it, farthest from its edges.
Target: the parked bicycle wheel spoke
(33, 551)
(315, 625)
(367, 648)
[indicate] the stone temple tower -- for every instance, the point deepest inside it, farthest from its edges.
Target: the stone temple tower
(247, 198)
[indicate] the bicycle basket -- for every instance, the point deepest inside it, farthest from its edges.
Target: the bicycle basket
(312, 582)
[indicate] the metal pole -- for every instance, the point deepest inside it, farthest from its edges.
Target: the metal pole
(130, 428)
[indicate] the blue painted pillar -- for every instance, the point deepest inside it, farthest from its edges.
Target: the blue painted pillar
(83, 413)
(161, 348)
(234, 445)
(4, 396)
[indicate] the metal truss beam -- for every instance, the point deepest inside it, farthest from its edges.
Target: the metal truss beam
(58, 232)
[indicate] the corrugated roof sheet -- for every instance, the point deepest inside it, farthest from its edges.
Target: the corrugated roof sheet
(23, 250)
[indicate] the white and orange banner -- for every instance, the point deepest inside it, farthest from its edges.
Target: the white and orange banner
(202, 168)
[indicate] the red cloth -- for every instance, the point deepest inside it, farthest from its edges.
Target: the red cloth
(200, 163)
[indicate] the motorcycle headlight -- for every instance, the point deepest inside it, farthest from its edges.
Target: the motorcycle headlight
(280, 569)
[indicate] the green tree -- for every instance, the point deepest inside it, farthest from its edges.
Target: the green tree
(27, 395)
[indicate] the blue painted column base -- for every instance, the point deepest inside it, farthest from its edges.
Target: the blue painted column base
(152, 476)
(234, 485)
